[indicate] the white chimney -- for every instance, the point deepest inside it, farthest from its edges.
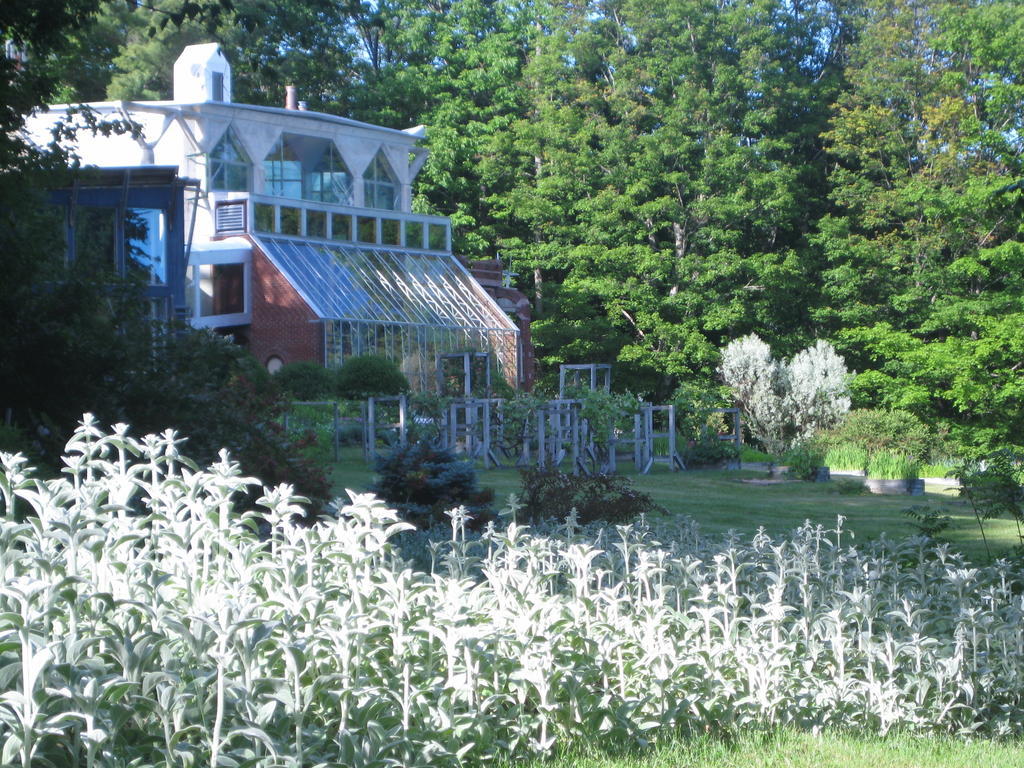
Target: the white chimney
(202, 73)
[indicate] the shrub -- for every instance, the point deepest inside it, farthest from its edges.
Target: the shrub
(219, 396)
(14, 440)
(803, 460)
(848, 486)
(306, 381)
(423, 482)
(551, 494)
(876, 430)
(785, 403)
(429, 415)
(994, 487)
(817, 390)
(748, 454)
(709, 450)
(758, 383)
(518, 419)
(699, 424)
(928, 521)
(369, 376)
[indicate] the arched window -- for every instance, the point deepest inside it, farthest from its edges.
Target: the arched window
(307, 168)
(229, 166)
(380, 190)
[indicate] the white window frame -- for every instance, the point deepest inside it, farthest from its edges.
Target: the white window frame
(229, 137)
(221, 256)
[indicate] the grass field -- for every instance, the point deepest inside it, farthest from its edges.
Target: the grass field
(789, 749)
(721, 501)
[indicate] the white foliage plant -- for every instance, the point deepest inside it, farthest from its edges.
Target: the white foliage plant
(784, 403)
(146, 619)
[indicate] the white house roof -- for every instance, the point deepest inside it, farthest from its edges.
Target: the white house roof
(232, 108)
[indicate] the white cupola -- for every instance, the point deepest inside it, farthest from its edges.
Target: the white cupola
(202, 73)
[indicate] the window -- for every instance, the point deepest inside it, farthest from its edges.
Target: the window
(307, 168)
(283, 170)
(218, 86)
(229, 166)
(380, 189)
(145, 244)
(330, 181)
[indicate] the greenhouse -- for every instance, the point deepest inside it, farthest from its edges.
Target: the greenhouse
(407, 306)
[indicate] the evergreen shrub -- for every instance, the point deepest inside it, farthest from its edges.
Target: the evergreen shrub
(369, 376)
(549, 493)
(423, 482)
(709, 450)
(306, 381)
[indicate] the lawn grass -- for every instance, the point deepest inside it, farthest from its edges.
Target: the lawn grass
(791, 749)
(720, 501)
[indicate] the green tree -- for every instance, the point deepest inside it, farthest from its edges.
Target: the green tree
(663, 178)
(923, 251)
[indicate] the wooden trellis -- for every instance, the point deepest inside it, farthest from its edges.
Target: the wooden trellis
(464, 374)
(650, 424)
(592, 376)
(736, 436)
(379, 430)
(469, 428)
(555, 436)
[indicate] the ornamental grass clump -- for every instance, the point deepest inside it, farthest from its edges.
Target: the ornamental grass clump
(148, 619)
(846, 457)
(886, 465)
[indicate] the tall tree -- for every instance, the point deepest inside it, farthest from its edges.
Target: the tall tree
(666, 174)
(925, 251)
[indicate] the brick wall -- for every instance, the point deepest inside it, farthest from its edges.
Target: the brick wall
(283, 325)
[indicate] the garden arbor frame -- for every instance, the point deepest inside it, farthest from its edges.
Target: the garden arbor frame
(470, 361)
(598, 376)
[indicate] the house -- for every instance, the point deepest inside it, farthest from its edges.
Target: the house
(303, 241)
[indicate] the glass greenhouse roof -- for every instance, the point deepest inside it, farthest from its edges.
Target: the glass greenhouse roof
(388, 286)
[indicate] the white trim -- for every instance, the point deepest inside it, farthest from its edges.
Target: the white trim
(234, 250)
(301, 116)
